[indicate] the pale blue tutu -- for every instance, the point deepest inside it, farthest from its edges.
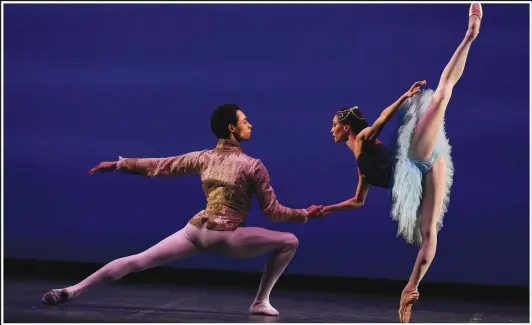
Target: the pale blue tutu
(408, 177)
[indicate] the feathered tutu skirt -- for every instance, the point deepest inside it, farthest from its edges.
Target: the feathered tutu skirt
(407, 178)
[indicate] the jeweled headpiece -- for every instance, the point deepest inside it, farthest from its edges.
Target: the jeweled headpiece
(342, 115)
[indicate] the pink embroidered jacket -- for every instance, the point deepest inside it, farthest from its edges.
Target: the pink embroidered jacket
(229, 178)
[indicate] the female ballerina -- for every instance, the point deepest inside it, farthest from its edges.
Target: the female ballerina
(421, 173)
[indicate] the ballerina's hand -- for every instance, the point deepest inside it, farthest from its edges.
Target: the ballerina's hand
(103, 167)
(325, 211)
(416, 88)
(313, 210)
(317, 211)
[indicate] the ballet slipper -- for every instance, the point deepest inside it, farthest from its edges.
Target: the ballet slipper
(408, 298)
(263, 308)
(476, 10)
(474, 26)
(56, 297)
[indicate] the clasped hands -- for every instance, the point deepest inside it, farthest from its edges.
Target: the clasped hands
(318, 211)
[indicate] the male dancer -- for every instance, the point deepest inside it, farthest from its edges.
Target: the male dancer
(229, 179)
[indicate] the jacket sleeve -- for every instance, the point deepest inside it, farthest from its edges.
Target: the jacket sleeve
(269, 205)
(190, 163)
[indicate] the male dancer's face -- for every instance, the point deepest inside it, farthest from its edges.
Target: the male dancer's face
(340, 132)
(242, 130)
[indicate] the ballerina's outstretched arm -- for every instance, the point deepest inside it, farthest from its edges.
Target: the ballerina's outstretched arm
(373, 131)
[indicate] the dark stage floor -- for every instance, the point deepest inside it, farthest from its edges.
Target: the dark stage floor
(146, 303)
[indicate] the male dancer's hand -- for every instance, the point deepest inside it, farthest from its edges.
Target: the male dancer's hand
(313, 210)
(416, 88)
(324, 211)
(104, 167)
(316, 211)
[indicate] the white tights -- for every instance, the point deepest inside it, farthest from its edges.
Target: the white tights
(244, 242)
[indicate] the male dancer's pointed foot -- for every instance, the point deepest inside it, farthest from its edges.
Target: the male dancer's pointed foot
(263, 308)
(57, 297)
(475, 17)
(408, 299)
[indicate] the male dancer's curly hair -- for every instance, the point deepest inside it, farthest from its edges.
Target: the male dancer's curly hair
(222, 116)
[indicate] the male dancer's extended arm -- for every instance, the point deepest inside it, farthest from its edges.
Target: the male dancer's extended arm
(189, 163)
(268, 200)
